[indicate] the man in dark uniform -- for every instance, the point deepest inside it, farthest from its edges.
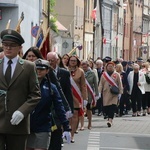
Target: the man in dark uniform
(19, 93)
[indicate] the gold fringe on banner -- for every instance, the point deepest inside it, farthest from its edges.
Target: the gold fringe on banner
(8, 24)
(19, 22)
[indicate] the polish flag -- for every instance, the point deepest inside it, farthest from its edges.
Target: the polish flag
(93, 14)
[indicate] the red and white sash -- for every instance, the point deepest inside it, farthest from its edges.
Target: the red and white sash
(109, 79)
(76, 91)
(91, 92)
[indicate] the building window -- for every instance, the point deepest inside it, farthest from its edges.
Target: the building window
(87, 10)
(115, 22)
(76, 21)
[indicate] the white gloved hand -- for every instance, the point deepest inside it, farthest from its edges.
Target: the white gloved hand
(67, 136)
(69, 114)
(119, 96)
(17, 117)
(85, 103)
(97, 97)
(100, 95)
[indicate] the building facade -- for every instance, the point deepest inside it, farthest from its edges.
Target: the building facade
(77, 19)
(127, 29)
(12, 9)
(136, 28)
(145, 53)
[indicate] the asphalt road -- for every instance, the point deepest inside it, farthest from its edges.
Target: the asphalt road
(127, 133)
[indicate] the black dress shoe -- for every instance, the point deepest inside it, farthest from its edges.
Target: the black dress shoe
(144, 114)
(105, 117)
(138, 114)
(133, 115)
(72, 141)
(99, 114)
(109, 124)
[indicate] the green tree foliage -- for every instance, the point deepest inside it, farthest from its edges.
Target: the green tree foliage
(53, 19)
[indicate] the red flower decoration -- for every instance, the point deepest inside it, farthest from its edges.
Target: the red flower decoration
(72, 73)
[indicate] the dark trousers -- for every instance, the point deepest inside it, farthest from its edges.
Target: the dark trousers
(110, 110)
(123, 101)
(13, 142)
(136, 99)
(99, 105)
(146, 100)
(56, 139)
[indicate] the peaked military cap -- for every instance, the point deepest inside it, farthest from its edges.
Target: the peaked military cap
(107, 59)
(124, 63)
(139, 59)
(42, 64)
(11, 35)
(130, 63)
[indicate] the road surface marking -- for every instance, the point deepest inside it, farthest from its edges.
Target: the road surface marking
(94, 141)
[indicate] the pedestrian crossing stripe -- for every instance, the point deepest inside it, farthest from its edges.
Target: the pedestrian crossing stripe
(94, 141)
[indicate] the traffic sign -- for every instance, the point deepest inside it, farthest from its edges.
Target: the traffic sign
(34, 31)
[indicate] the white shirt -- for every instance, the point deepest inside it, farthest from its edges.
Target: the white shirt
(13, 65)
(56, 70)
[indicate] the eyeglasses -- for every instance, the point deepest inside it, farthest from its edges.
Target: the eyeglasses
(12, 45)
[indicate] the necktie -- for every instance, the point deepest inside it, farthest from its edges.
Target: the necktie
(8, 72)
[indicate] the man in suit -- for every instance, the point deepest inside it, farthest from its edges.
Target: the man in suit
(63, 77)
(19, 93)
(99, 68)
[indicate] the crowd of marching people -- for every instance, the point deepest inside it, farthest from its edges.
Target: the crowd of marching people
(67, 90)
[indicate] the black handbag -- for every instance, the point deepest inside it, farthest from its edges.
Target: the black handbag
(114, 90)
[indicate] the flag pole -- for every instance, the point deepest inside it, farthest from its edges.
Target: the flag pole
(47, 32)
(72, 51)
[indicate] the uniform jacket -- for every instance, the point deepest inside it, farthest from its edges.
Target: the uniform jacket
(104, 88)
(142, 81)
(64, 79)
(91, 78)
(21, 94)
(79, 79)
(41, 116)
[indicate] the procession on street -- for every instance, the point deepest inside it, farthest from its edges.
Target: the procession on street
(74, 75)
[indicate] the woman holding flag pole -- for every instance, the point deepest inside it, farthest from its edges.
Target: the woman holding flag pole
(111, 88)
(92, 89)
(79, 91)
